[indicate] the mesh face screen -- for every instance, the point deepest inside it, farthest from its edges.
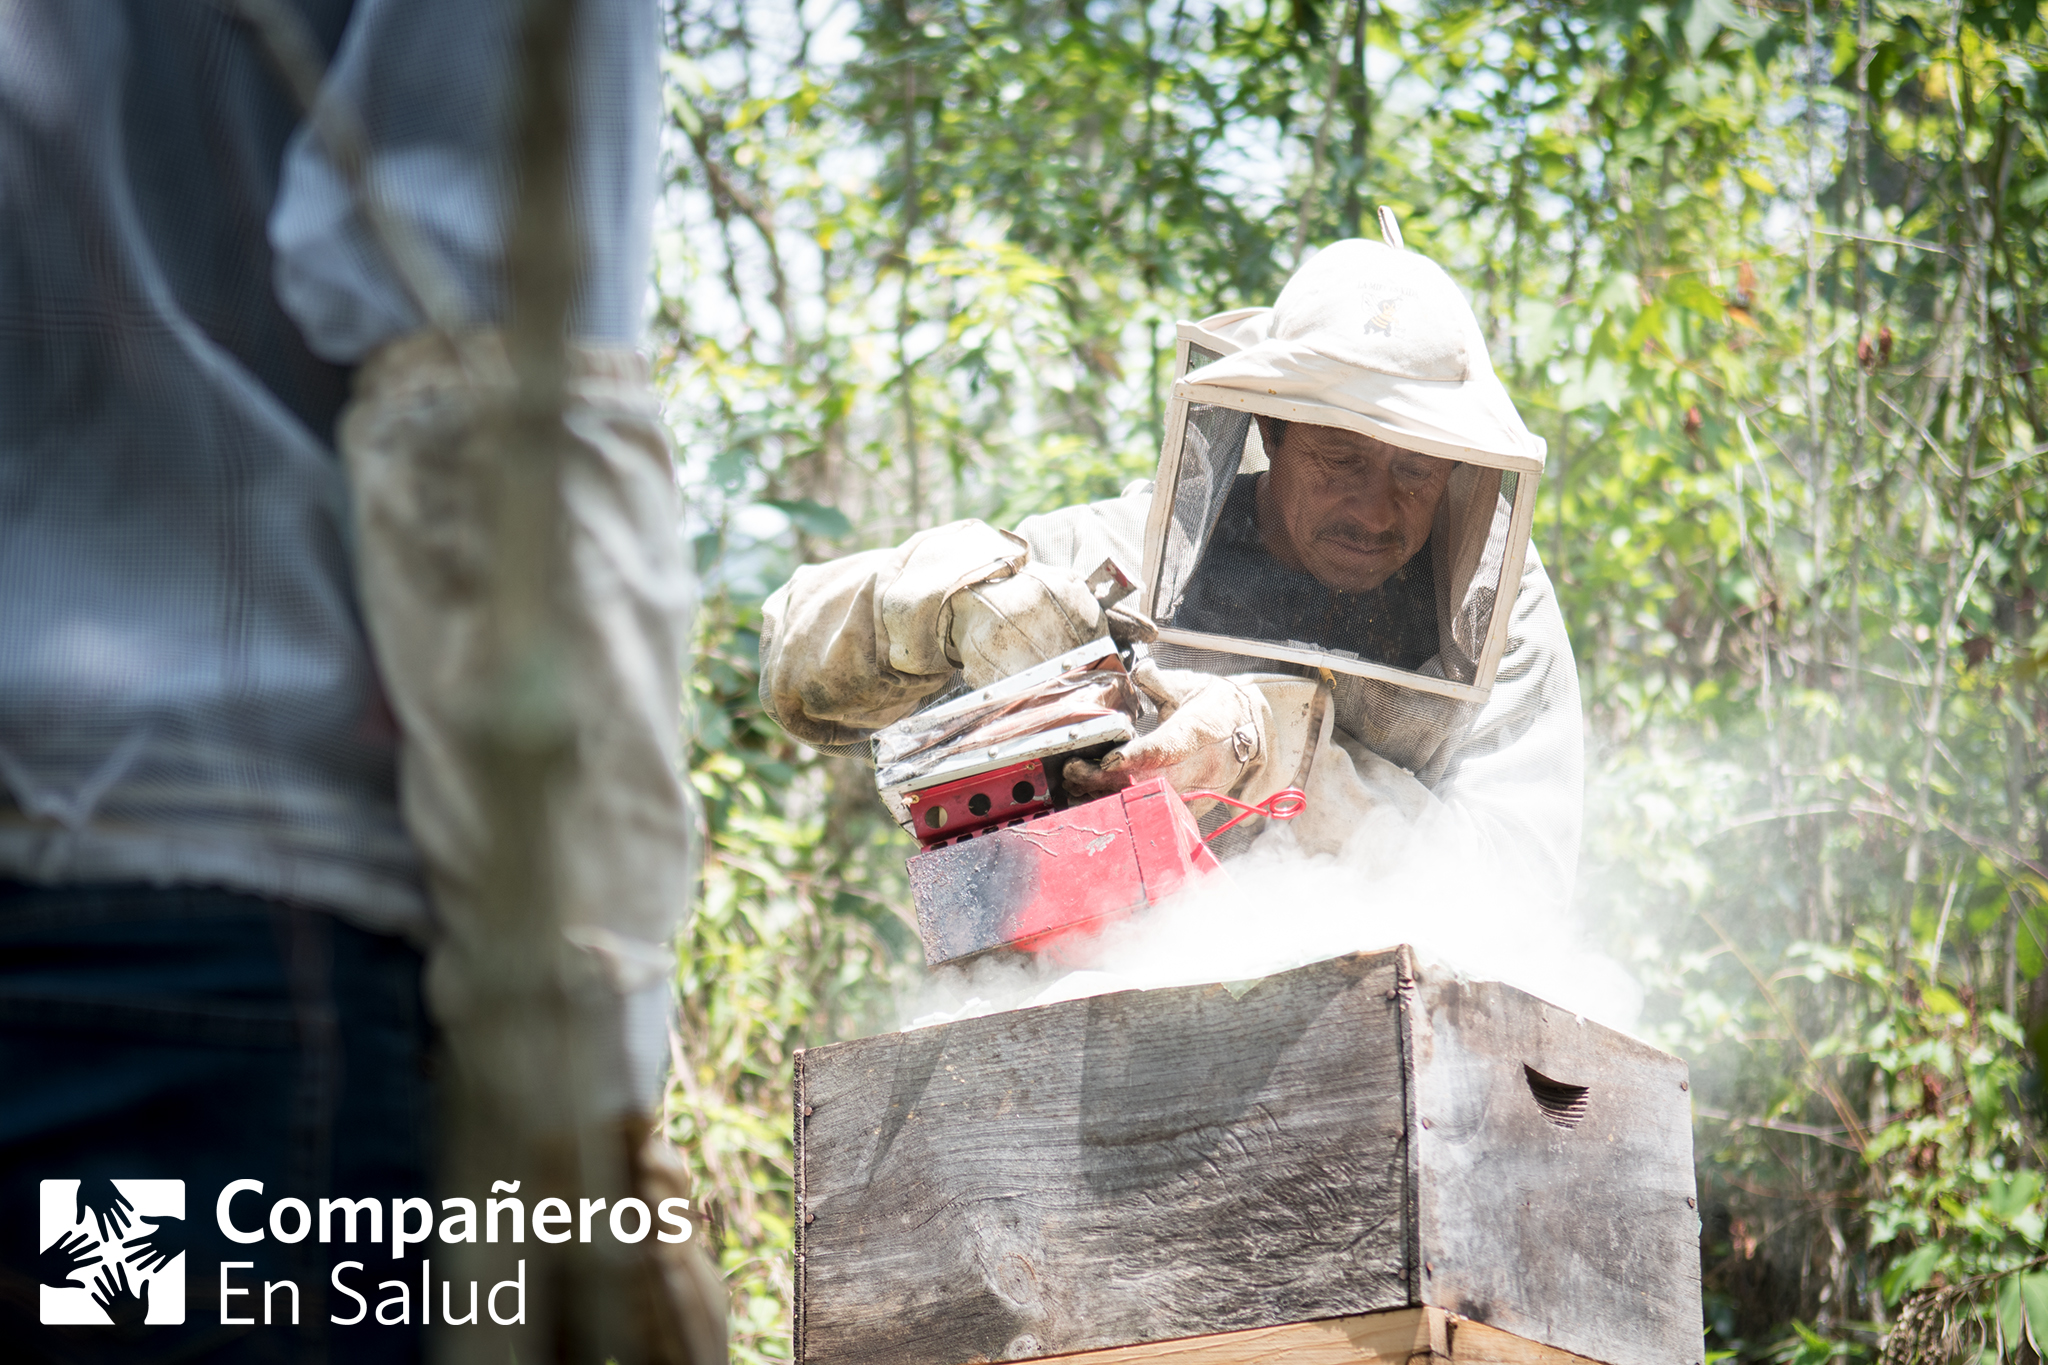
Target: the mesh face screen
(1321, 540)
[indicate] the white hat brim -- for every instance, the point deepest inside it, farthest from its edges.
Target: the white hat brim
(1469, 419)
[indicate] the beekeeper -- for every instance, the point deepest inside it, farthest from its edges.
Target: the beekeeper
(1340, 592)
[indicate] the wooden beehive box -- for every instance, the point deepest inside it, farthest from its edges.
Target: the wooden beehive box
(1345, 1138)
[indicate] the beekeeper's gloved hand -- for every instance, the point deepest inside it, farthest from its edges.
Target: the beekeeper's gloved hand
(1212, 731)
(1006, 625)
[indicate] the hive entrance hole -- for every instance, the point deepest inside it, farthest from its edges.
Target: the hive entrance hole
(1564, 1105)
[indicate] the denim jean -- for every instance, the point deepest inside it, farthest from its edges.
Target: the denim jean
(210, 1036)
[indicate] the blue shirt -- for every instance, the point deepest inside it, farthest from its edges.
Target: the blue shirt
(434, 86)
(186, 692)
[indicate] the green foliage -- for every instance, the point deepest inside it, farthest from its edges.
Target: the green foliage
(1769, 284)
(793, 944)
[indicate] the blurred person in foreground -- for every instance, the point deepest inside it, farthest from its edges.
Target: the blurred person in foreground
(1340, 594)
(219, 886)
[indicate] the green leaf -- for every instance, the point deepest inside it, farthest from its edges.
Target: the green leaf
(1649, 323)
(1942, 1001)
(2007, 1199)
(1619, 290)
(1709, 17)
(1692, 292)
(1702, 22)
(1911, 1272)
(2031, 958)
(2010, 1312)
(813, 518)
(1602, 384)
(2034, 1298)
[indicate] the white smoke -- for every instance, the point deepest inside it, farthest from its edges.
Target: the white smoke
(1275, 908)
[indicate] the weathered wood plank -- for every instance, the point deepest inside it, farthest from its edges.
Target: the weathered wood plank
(1395, 1337)
(1573, 1227)
(1130, 1168)
(1475, 1343)
(1390, 1338)
(1182, 1165)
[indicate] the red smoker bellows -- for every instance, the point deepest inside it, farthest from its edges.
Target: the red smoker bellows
(1054, 882)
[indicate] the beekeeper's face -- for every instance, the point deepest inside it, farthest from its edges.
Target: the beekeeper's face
(1344, 507)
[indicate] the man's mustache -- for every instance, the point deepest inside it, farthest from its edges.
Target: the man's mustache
(1358, 538)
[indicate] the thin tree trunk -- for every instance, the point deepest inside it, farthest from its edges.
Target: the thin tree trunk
(905, 375)
(1312, 199)
(1361, 125)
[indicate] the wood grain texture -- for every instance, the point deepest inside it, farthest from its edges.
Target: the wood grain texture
(1400, 1335)
(1130, 1168)
(1389, 1338)
(1580, 1237)
(1474, 1343)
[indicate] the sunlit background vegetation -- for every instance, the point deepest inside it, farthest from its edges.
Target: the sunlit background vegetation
(1768, 277)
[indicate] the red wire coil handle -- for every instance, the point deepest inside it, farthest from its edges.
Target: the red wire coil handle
(1284, 804)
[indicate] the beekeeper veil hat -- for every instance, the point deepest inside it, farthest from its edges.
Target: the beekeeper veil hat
(1371, 339)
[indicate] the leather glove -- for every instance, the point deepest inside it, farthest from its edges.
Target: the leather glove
(1212, 731)
(1006, 625)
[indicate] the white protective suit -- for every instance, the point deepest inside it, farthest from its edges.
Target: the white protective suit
(841, 657)
(1492, 786)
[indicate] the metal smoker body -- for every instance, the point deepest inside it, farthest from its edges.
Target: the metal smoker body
(1007, 859)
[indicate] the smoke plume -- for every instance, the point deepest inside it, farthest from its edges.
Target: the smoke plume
(1275, 908)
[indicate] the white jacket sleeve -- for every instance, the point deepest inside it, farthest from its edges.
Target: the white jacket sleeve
(857, 643)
